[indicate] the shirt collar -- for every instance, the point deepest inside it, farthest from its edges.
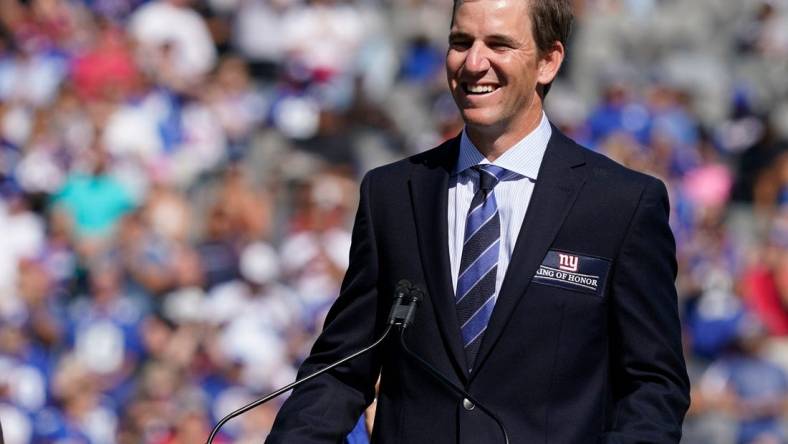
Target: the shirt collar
(523, 158)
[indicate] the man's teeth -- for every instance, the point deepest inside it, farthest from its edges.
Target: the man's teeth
(480, 89)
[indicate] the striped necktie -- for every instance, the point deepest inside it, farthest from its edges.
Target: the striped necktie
(475, 295)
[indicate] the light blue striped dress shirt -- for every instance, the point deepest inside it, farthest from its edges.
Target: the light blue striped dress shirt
(512, 195)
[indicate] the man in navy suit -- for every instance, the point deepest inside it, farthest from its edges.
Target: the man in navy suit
(549, 271)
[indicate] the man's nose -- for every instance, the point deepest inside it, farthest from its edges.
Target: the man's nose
(477, 60)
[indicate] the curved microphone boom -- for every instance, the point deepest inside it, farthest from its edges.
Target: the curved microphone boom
(402, 312)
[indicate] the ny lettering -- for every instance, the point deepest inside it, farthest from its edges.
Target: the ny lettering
(567, 262)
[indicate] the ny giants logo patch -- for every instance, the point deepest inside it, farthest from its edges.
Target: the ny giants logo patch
(577, 272)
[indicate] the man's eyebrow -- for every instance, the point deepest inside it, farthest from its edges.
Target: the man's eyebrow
(495, 38)
(502, 38)
(459, 35)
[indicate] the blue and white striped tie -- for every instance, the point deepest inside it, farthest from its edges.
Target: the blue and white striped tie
(475, 295)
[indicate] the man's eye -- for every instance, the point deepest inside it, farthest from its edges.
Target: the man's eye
(500, 46)
(460, 44)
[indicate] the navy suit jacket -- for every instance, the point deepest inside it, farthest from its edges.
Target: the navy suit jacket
(559, 363)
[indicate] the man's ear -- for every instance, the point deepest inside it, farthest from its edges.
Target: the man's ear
(549, 63)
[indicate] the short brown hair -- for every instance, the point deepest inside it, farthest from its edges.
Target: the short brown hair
(551, 21)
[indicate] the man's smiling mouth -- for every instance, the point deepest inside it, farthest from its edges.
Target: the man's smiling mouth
(478, 89)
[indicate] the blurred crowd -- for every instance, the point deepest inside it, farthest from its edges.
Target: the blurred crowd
(178, 180)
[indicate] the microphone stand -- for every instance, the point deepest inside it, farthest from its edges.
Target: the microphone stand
(273, 395)
(401, 314)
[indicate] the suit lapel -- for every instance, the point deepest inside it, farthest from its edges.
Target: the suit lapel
(560, 178)
(429, 184)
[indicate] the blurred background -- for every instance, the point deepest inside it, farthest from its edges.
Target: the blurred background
(178, 180)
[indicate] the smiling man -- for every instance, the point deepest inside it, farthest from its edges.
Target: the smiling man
(549, 271)
(496, 70)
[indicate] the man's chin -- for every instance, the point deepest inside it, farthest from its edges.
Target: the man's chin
(483, 123)
(480, 118)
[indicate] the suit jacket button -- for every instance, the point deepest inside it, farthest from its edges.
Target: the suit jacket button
(467, 404)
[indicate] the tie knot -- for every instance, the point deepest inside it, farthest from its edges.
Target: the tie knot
(489, 176)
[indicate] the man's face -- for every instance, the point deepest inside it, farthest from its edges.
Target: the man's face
(492, 64)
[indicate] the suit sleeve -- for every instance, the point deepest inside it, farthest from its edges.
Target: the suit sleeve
(648, 375)
(325, 409)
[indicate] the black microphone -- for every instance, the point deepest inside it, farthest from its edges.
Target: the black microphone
(402, 313)
(417, 295)
(406, 298)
